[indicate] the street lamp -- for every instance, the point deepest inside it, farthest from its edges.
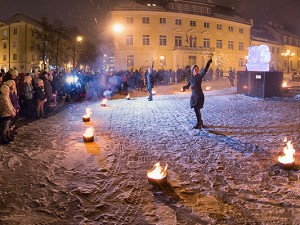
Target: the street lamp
(162, 58)
(288, 54)
(118, 28)
(79, 39)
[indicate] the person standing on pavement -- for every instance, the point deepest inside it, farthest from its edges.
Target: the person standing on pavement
(150, 81)
(197, 97)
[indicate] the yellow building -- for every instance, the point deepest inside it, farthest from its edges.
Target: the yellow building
(284, 46)
(16, 49)
(178, 33)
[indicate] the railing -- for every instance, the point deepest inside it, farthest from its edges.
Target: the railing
(188, 48)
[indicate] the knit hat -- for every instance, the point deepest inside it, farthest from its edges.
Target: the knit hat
(27, 79)
(4, 89)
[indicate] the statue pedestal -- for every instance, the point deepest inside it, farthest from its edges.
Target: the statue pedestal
(259, 83)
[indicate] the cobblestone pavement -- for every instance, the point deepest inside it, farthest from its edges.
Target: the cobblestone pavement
(225, 174)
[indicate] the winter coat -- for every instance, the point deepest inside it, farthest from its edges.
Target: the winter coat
(6, 107)
(197, 97)
(40, 93)
(150, 80)
(28, 91)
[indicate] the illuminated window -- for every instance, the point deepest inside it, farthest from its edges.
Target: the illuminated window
(178, 22)
(178, 40)
(130, 60)
(241, 46)
(230, 45)
(230, 28)
(146, 39)
(129, 19)
(192, 23)
(219, 44)
(129, 39)
(219, 26)
(163, 40)
(162, 20)
(206, 43)
(145, 20)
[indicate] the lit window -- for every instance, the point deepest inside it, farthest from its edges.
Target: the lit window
(130, 60)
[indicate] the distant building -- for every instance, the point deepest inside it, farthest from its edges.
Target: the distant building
(284, 46)
(179, 33)
(16, 49)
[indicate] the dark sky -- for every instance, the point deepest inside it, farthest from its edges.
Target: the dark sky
(87, 14)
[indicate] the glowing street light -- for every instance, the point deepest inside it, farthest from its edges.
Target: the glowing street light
(118, 28)
(288, 54)
(162, 58)
(79, 38)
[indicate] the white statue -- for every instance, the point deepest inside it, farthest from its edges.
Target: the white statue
(258, 58)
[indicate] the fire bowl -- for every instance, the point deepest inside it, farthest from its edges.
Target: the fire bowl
(287, 166)
(88, 139)
(86, 119)
(158, 182)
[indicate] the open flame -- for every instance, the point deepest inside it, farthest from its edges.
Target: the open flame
(288, 156)
(158, 172)
(284, 84)
(89, 132)
(88, 112)
(104, 101)
(208, 88)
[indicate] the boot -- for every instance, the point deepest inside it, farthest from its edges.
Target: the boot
(199, 124)
(4, 140)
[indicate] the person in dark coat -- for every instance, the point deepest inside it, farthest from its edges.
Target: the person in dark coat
(197, 97)
(150, 81)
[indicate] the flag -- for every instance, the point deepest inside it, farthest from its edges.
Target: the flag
(186, 38)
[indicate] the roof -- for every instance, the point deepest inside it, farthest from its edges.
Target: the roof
(261, 33)
(216, 11)
(21, 18)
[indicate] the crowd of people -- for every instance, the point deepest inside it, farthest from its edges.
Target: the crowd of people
(34, 95)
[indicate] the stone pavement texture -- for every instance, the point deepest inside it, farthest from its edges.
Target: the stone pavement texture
(225, 174)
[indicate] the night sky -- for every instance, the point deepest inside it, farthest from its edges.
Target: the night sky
(87, 15)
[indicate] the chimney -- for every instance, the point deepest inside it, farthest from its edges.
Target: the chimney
(251, 22)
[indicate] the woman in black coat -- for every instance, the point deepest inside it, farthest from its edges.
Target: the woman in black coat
(197, 97)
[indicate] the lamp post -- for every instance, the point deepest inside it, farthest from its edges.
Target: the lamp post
(288, 54)
(79, 39)
(162, 58)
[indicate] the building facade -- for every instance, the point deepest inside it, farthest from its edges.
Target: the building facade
(16, 50)
(179, 33)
